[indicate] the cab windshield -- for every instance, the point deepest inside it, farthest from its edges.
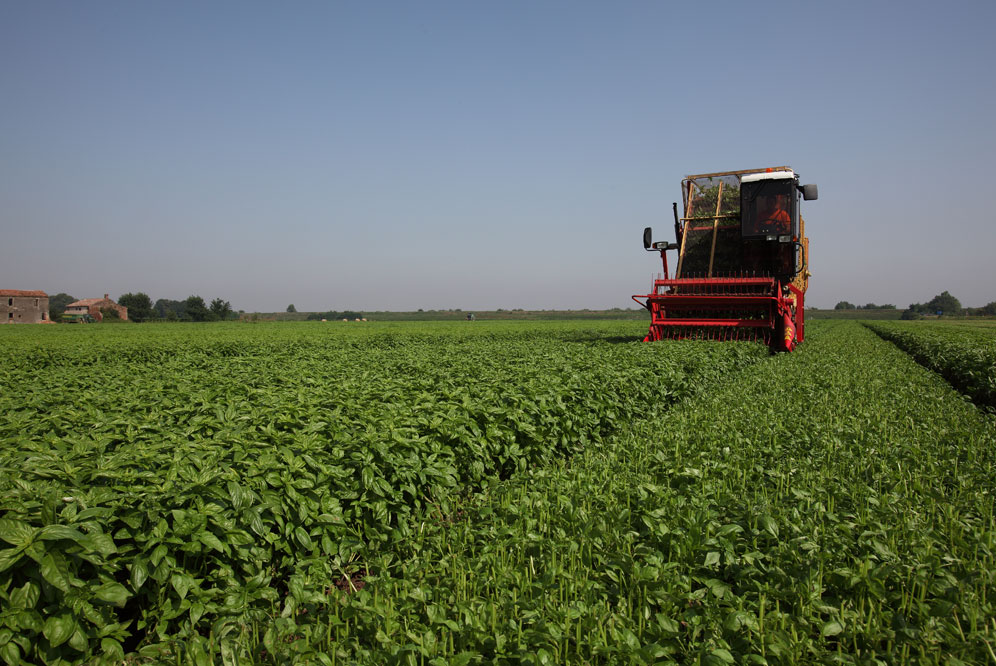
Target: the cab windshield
(738, 223)
(767, 208)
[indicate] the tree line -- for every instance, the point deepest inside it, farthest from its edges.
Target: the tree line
(192, 309)
(943, 304)
(844, 305)
(141, 308)
(332, 314)
(946, 304)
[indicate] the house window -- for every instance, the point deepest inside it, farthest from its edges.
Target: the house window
(10, 301)
(10, 315)
(36, 302)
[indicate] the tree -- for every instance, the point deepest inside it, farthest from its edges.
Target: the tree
(139, 306)
(844, 305)
(57, 304)
(221, 309)
(170, 310)
(944, 303)
(196, 310)
(291, 308)
(989, 309)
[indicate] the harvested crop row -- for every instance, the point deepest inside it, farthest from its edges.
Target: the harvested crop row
(965, 356)
(188, 485)
(830, 506)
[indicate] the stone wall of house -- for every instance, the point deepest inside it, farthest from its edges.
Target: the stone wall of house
(23, 307)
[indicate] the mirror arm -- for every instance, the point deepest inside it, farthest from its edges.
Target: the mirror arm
(677, 224)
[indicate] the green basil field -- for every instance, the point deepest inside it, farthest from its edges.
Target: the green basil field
(496, 492)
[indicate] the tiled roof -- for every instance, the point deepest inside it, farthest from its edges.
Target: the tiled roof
(20, 292)
(86, 302)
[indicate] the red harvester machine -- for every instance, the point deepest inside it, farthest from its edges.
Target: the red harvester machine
(743, 260)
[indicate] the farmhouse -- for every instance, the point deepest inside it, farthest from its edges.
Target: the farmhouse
(23, 307)
(93, 307)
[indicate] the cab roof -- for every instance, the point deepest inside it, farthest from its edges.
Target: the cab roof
(774, 175)
(739, 174)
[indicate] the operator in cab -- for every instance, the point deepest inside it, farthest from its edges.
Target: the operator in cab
(772, 218)
(773, 215)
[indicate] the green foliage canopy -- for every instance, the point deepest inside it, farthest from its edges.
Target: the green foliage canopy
(375, 491)
(57, 304)
(139, 306)
(221, 309)
(196, 309)
(943, 304)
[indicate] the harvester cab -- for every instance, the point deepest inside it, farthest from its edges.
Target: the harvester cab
(743, 260)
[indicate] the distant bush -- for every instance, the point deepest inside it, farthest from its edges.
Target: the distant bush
(110, 314)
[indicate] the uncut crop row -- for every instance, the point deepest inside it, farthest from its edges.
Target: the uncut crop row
(165, 484)
(965, 356)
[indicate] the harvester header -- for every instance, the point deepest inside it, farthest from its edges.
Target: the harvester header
(743, 260)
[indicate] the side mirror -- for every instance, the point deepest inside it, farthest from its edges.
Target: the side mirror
(810, 192)
(648, 235)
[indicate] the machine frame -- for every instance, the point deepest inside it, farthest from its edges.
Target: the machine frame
(756, 290)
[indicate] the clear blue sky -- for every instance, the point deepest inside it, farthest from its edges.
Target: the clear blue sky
(404, 155)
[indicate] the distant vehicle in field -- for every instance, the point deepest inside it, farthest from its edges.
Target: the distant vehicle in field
(77, 319)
